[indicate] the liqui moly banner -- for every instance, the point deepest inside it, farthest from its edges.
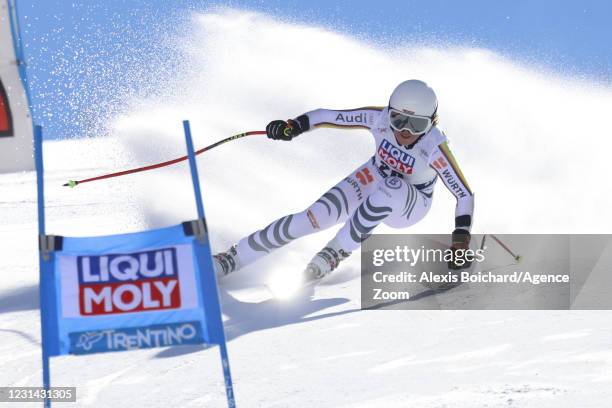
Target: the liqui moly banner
(131, 291)
(122, 292)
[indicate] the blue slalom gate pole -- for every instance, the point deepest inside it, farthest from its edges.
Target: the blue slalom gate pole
(229, 388)
(40, 187)
(194, 169)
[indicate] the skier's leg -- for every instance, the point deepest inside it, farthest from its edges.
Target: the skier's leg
(394, 202)
(330, 209)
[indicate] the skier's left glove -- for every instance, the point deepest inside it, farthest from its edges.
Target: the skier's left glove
(461, 242)
(287, 130)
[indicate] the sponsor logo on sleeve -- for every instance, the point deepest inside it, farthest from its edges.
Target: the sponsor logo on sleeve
(130, 338)
(125, 283)
(440, 163)
(351, 118)
(395, 158)
(455, 187)
(6, 119)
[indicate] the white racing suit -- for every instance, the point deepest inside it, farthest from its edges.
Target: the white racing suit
(394, 186)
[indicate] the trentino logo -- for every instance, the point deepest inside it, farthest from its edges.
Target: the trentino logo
(126, 283)
(129, 338)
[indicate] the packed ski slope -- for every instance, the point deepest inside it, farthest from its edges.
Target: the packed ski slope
(532, 172)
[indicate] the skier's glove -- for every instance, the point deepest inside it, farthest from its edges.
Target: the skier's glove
(287, 130)
(461, 242)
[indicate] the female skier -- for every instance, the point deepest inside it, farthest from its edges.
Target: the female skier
(394, 186)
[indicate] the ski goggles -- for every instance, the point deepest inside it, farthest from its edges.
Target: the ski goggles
(400, 121)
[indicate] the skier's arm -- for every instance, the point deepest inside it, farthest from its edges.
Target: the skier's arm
(360, 118)
(444, 163)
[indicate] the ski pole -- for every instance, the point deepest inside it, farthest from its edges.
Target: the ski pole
(516, 257)
(74, 183)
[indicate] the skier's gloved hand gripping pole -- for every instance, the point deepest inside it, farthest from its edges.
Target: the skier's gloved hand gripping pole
(460, 243)
(74, 183)
(287, 130)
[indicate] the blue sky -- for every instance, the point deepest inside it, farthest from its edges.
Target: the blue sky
(78, 50)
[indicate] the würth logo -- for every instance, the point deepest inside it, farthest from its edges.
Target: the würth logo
(440, 163)
(128, 282)
(455, 187)
(6, 120)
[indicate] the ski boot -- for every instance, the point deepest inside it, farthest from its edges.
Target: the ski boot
(325, 261)
(226, 262)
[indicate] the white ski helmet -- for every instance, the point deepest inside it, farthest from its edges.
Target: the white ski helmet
(413, 107)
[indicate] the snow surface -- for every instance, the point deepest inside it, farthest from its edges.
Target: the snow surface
(534, 170)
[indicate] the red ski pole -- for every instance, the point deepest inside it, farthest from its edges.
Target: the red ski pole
(516, 257)
(74, 183)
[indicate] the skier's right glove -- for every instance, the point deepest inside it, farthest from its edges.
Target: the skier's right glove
(461, 242)
(287, 130)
